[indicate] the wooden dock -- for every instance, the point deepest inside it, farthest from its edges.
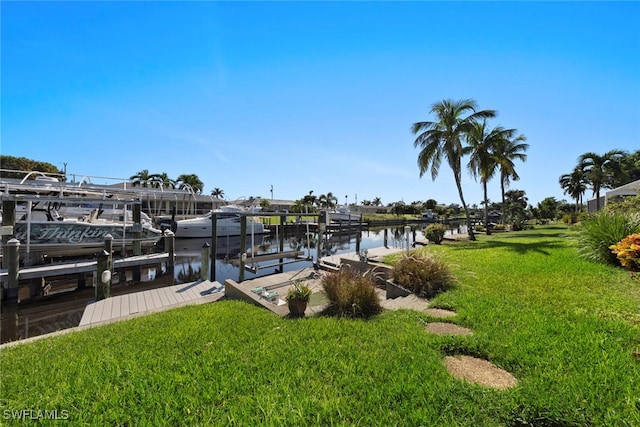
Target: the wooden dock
(373, 255)
(150, 301)
(60, 269)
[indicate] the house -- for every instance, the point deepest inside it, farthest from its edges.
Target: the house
(630, 189)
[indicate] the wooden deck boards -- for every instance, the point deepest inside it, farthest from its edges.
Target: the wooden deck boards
(122, 306)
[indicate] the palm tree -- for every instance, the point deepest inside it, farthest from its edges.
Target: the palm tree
(310, 201)
(190, 181)
(376, 201)
(328, 200)
(574, 184)
(506, 151)
(442, 139)
(161, 180)
(217, 193)
(483, 163)
(599, 169)
(140, 178)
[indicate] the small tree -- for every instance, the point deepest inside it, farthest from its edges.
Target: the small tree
(435, 232)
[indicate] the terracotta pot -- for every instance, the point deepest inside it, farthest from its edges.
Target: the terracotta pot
(297, 307)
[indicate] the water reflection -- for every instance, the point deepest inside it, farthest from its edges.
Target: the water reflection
(189, 251)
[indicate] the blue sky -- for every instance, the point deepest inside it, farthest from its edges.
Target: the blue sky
(313, 96)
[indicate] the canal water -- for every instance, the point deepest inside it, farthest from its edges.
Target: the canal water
(189, 251)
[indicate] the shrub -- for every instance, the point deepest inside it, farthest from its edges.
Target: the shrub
(424, 275)
(351, 294)
(570, 218)
(627, 251)
(597, 232)
(435, 232)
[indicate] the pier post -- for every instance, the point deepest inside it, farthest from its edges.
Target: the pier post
(9, 331)
(214, 244)
(206, 257)
(12, 254)
(170, 246)
(322, 225)
(137, 235)
(386, 237)
(243, 246)
(407, 229)
(103, 287)
(108, 244)
(8, 218)
(283, 221)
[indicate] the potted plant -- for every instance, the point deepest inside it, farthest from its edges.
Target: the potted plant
(298, 298)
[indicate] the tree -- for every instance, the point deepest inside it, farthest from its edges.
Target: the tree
(628, 170)
(548, 208)
(190, 181)
(574, 184)
(328, 200)
(483, 163)
(442, 140)
(376, 201)
(161, 180)
(265, 204)
(141, 178)
(217, 193)
(310, 201)
(506, 151)
(600, 169)
(516, 207)
(24, 165)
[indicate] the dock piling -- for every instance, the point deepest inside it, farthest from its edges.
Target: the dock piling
(13, 268)
(103, 285)
(206, 257)
(170, 245)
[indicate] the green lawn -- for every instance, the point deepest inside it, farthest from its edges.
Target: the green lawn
(566, 328)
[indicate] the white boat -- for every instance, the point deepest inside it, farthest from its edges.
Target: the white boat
(77, 237)
(229, 219)
(343, 214)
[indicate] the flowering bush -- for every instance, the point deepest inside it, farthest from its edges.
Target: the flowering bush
(435, 232)
(628, 252)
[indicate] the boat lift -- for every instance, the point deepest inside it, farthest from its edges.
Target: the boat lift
(250, 262)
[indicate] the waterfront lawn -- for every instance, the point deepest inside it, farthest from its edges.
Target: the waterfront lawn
(566, 328)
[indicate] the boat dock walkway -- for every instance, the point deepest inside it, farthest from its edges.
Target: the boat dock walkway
(373, 255)
(126, 306)
(60, 269)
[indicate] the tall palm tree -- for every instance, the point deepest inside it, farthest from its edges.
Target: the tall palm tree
(186, 181)
(574, 184)
(217, 193)
(141, 178)
(506, 151)
(483, 162)
(599, 169)
(442, 139)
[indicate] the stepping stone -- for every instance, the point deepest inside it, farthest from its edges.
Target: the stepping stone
(439, 312)
(479, 371)
(440, 328)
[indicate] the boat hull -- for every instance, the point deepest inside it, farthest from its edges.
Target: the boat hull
(201, 228)
(66, 239)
